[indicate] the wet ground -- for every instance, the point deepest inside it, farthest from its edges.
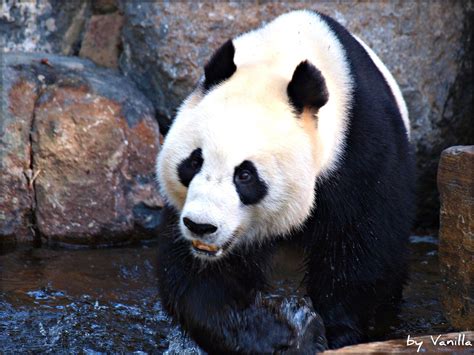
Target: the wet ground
(105, 300)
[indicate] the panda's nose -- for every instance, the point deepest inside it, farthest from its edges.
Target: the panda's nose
(199, 228)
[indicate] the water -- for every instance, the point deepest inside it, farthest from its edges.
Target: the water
(105, 300)
(83, 301)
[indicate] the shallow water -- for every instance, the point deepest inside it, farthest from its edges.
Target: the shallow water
(105, 300)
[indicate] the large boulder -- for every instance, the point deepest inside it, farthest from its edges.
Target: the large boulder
(77, 151)
(427, 47)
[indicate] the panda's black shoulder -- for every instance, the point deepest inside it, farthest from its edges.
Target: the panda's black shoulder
(377, 159)
(356, 56)
(369, 87)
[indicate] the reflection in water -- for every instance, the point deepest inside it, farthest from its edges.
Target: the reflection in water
(105, 300)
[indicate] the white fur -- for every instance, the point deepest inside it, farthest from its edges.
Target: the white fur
(397, 93)
(248, 117)
(284, 43)
(229, 128)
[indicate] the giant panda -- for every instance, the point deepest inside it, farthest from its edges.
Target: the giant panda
(296, 132)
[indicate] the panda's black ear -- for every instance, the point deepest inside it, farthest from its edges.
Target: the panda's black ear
(221, 66)
(307, 88)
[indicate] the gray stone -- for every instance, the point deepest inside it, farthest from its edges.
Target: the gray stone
(426, 45)
(51, 26)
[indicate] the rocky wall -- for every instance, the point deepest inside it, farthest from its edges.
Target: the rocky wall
(162, 46)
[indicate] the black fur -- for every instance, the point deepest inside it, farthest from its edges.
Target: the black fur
(358, 234)
(217, 302)
(221, 66)
(307, 88)
(356, 239)
(190, 166)
(252, 191)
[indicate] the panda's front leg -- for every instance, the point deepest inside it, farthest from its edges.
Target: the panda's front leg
(344, 299)
(216, 301)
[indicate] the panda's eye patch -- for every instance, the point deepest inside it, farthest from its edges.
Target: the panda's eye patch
(190, 166)
(250, 187)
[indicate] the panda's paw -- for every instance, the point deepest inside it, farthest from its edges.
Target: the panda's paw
(259, 329)
(309, 327)
(311, 341)
(274, 327)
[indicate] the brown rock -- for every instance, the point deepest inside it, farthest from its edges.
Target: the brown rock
(456, 235)
(93, 146)
(102, 39)
(16, 197)
(453, 343)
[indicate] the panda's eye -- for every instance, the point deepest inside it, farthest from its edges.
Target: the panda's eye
(196, 163)
(244, 177)
(248, 183)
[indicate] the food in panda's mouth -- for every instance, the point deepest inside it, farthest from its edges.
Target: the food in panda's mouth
(206, 247)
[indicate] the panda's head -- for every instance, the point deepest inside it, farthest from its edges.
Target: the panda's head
(240, 161)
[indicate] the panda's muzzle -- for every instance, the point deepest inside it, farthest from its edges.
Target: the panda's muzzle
(201, 239)
(201, 230)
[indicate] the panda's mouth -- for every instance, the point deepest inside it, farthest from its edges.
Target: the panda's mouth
(206, 249)
(210, 250)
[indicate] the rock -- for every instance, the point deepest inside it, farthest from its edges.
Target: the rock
(454, 343)
(72, 38)
(427, 46)
(101, 42)
(456, 234)
(16, 197)
(52, 26)
(104, 6)
(93, 145)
